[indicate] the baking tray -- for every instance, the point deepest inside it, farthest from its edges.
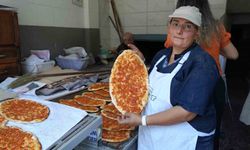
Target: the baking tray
(78, 133)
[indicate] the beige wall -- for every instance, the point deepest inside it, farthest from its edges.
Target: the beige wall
(56, 13)
(142, 17)
(137, 16)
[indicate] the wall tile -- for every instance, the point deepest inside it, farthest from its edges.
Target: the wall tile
(131, 6)
(11, 3)
(30, 14)
(149, 16)
(218, 13)
(114, 43)
(67, 18)
(136, 30)
(113, 34)
(217, 2)
(157, 18)
(161, 5)
(105, 43)
(157, 29)
(105, 33)
(48, 3)
(134, 19)
(218, 10)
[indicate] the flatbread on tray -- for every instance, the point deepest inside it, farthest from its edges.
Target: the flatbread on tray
(113, 125)
(18, 139)
(24, 111)
(129, 83)
(115, 136)
(98, 86)
(70, 102)
(2, 121)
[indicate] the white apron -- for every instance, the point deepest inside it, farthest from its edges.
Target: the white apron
(168, 137)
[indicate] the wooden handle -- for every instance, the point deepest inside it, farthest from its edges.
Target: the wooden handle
(2, 56)
(3, 71)
(74, 73)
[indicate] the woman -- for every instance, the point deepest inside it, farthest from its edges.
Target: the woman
(215, 40)
(180, 113)
(213, 37)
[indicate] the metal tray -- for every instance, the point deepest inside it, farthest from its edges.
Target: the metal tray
(77, 134)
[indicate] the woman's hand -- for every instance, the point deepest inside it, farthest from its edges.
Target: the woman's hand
(130, 119)
(134, 48)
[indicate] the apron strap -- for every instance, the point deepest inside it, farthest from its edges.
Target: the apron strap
(160, 60)
(183, 59)
(202, 134)
(154, 68)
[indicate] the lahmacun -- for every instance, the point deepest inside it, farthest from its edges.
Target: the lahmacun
(13, 138)
(129, 83)
(24, 111)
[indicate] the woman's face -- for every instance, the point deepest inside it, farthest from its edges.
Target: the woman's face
(182, 33)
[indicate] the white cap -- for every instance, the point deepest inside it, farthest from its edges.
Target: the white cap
(190, 13)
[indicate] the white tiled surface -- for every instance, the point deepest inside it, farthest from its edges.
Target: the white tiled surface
(147, 16)
(134, 19)
(59, 13)
(156, 18)
(157, 29)
(136, 30)
(131, 6)
(93, 13)
(160, 5)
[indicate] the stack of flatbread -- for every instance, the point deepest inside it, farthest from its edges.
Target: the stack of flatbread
(112, 131)
(128, 91)
(97, 100)
(91, 100)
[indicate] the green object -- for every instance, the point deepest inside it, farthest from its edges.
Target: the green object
(104, 53)
(26, 78)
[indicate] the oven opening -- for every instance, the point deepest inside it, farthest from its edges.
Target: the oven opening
(149, 44)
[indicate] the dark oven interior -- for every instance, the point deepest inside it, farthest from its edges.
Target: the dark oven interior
(238, 23)
(149, 44)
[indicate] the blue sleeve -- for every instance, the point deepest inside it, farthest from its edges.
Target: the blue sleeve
(194, 85)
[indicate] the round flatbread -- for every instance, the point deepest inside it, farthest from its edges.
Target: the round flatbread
(102, 92)
(111, 108)
(2, 121)
(98, 86)
(87, 101)
(72, 103)
(12, 138)
(115, 136)
(111, 124)
(129, 83)
(92, 95)
(111, 115)
(24, 111)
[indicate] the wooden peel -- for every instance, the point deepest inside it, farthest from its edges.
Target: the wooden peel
(117, 22)
(26, 78)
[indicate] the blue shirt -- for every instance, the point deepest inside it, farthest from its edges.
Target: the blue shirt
(193, 85)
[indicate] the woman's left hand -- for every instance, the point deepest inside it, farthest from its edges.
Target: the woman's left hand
(130, 119)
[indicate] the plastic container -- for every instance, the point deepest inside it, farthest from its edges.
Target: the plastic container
(76, 64)
(37, 68)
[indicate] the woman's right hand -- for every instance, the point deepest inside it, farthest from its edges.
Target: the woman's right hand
(130, 119)
(134, 48)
